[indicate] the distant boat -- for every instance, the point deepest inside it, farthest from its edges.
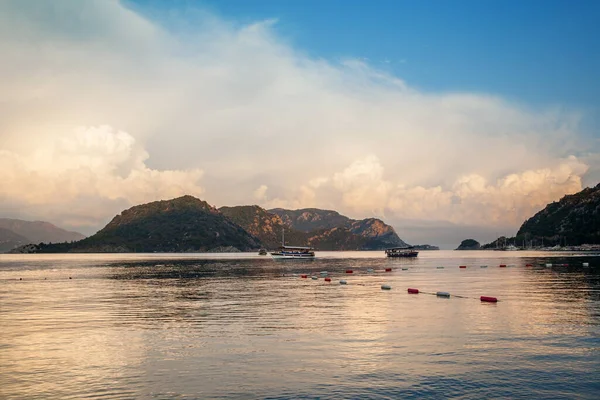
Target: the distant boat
(401, 252)
(292, 252)
(262, 252)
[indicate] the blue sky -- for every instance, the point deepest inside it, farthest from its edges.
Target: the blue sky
(539, 52)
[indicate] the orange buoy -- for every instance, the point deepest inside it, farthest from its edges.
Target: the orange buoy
(349, 271)
(388, 270)
(463, 266)
(413, 291)
(488, 299)
(502, 265)
(327, 279)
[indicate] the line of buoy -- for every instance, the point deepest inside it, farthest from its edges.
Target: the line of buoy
(314, 277)
(404, 269)
(327, 279)
(343, 282)
(463, 266)
(483, 266)
(388, 270)
(370, 270)
(487, 299)
(440, 267)
(303, 276)
(502, 265)
(386, 287)
(349, 271)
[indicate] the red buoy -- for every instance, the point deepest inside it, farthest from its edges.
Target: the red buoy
(327, 279)
(348, 271)
(413, 291)
(303, 276)
(388, 270)
(489, 299)
(463, 266)
(502, 265)
(528, 265)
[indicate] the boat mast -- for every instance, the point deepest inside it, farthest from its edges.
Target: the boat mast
(282, 236)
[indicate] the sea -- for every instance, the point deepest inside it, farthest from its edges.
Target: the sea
(244, 326)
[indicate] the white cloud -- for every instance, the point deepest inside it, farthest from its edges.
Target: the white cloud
(254, 114)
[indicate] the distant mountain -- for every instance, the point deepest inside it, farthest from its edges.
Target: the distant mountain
(39, 231)
(10, 240)
(332, 231)
(184, 224)
(575, 219)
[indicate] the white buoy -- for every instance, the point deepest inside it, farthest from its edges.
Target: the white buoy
(314, 277)
(323, 272)
(483, 266)
(404, 269)
(386, 287)
(442, 294)
(343, 282)
(370, 270)
(586, 264)
(548, 265)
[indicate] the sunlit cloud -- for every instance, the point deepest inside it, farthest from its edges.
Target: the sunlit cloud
(102, 104)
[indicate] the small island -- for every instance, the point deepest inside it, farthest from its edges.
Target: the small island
(469, 244)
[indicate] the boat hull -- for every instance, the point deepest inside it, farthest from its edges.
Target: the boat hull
(289, 256)
(403, 255)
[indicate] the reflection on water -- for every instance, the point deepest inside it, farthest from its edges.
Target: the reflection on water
(138, 326)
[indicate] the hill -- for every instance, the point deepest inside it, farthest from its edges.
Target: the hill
(184, 224)
(574, 219)
(39, 231)
(332, 231)
(267, 227)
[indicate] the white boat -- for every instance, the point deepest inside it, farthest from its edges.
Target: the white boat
(292, 252)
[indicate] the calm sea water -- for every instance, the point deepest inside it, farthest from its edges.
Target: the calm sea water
(231, 326)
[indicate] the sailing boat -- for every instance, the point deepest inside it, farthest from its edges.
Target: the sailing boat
(292, 252)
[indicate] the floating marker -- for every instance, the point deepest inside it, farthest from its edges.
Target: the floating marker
(440, 267)
(327, 279)
(386, 287)
(388, 270)
(314, 277)
(413, 291)
(502, 265)
(304, 276)
(343, 282)
(349, 271)
(323, 272)
(404, 269)
(586, 264)
(483, 266)
(488, 299)
(442, 294)
(548, 265)
(528, 265)
(463, 266)
(370, 270)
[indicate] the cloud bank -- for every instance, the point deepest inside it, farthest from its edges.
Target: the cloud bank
(103, 108)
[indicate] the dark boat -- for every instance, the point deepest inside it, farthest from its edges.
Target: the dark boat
(262, 252)
(401, 252)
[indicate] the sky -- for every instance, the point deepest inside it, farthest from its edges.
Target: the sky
(448, 120)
